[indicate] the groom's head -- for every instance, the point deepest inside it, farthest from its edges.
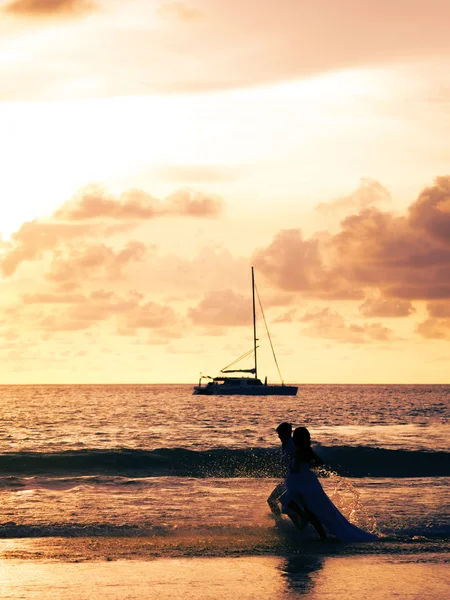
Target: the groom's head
(284, 431)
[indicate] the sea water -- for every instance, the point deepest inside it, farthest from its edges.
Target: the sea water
(155, 471)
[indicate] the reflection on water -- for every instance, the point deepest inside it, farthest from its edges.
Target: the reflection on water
(180, 579)
(298, 572)
(308, 576)
(383, 578)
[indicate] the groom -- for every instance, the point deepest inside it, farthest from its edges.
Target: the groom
(284, 431)
(298, 515)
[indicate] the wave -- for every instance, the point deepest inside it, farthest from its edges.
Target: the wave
(349, 461)
(217, 538)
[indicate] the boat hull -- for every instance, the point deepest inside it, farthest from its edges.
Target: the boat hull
(264, 390)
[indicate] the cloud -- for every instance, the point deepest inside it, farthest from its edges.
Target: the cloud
(291, 262)
(369, 193)
(374, 252)
(234, 44)
(34, 238)
(431, 211)
(209, 268)
(435, 329)
(289, 316)
(131, 312)
(386, 307)
(151, 315)
(327, 323)
(294, 264)
(46, 8)
(101, 305)
(94, 202)
(437, 326)
(222, 308)
(61, 322)
(193, 204)
(279, 299)
(95, 261)
(90, 213)
(394, 254)
(440, 310)
(69, 312)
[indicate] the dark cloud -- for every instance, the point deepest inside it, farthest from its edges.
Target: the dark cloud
(435, 329)
(437, 326)
(386, 307)
(428, 290)
(374, 252)
(431, 211)
(46, 8)
(440, 310)
(291, 262)
(295, 264)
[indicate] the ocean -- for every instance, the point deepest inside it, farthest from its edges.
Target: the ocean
(150, 473)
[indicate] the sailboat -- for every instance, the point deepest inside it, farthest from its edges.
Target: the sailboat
(248, 385)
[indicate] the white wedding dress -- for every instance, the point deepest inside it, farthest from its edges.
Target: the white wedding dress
(303, 487)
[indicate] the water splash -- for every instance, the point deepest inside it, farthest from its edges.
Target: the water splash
(347, 498)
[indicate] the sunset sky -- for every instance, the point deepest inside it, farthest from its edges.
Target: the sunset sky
(152, 152)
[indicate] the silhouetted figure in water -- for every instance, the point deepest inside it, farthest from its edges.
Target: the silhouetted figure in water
(284, 431)
(304, 454)
(306, 497)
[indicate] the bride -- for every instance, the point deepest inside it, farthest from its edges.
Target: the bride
(306, 497)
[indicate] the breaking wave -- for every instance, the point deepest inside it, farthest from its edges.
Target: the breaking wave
(349, 461)
(236, 537)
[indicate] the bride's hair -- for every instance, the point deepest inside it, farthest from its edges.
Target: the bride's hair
(302, 441)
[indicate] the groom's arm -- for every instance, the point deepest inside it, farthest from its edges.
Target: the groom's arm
(316, 461)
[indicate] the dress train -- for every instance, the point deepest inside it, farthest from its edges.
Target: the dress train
(303, 488)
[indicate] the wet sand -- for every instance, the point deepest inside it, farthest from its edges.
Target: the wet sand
(79, 569)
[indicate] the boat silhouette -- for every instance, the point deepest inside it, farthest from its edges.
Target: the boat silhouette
(249, 384)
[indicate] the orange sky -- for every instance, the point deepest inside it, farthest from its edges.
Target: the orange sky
(153, 151)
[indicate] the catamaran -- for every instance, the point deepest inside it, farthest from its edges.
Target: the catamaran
(245, 385)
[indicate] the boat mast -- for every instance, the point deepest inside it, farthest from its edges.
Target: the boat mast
(254, 322)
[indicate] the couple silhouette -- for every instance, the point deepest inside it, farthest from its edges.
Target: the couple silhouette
(301, 496)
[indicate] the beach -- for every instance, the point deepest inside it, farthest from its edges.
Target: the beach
(100, 496)
(88, 569)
